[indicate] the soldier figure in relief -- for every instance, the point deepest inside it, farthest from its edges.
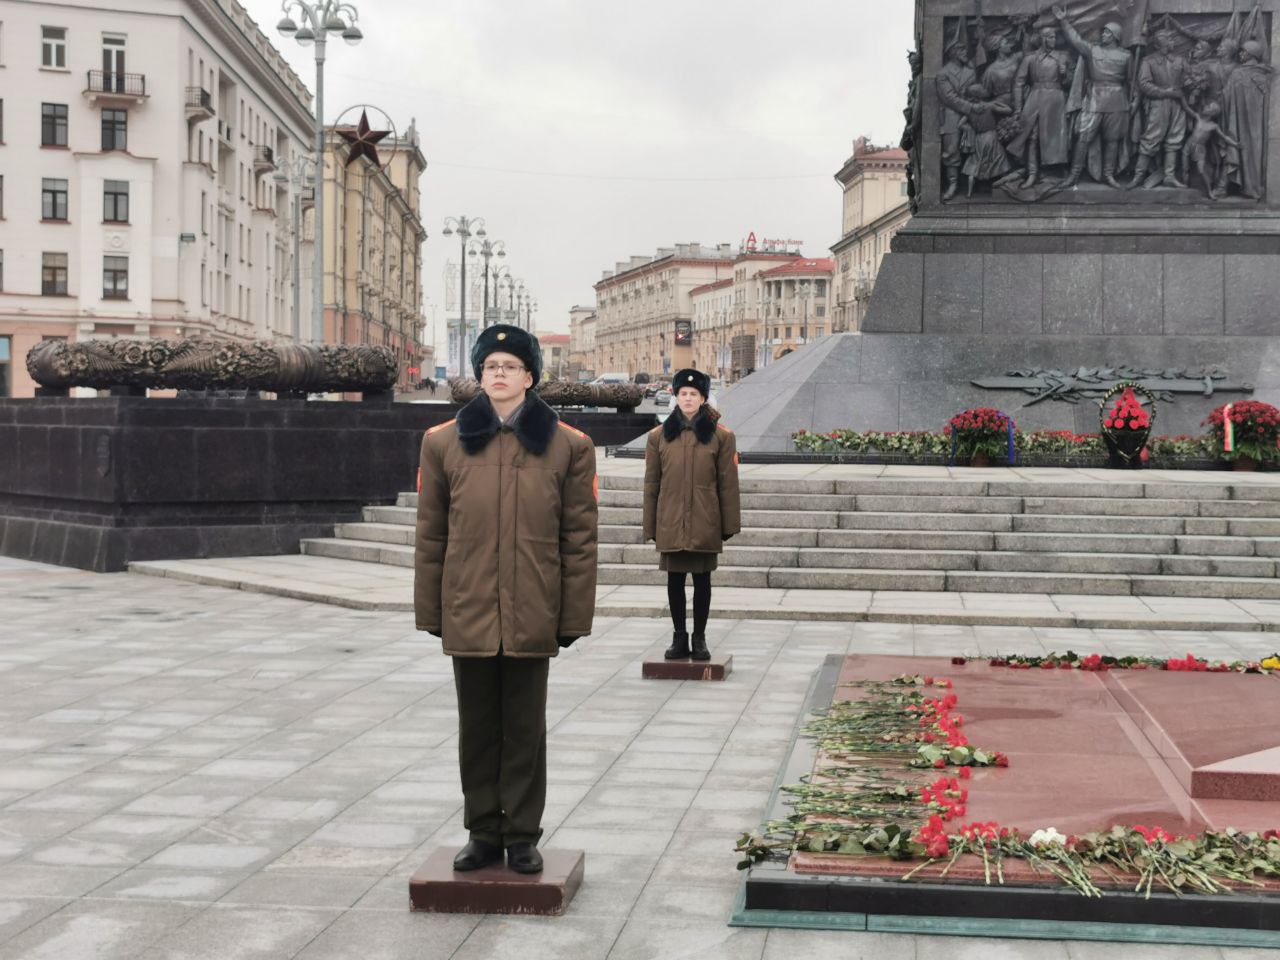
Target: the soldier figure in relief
(1160, 82)
(1105, 110)
(1040, 98)
(953, 82)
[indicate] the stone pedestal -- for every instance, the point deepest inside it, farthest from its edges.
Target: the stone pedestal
(437, 888)
(717, 668)
(982, 290)
(100, 483)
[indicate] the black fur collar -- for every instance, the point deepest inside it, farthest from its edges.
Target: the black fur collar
(534, 427)
(704, 424)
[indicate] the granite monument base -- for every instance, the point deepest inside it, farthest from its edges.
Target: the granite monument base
(1086, 751)
(918, 381)
(717, 668)
(100, 483)
(437, 888)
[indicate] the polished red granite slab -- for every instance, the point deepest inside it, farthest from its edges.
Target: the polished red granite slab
(1216, 731)
(437, 888)
(717, 668)
(1078, 759)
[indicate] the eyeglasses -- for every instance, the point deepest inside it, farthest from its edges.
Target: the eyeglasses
(507, 368)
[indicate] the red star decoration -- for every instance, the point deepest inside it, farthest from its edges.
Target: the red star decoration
(363, 141)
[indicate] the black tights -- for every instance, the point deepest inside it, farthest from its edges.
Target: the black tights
(701, 600)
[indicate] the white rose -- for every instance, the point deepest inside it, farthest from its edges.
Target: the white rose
(1048, 837)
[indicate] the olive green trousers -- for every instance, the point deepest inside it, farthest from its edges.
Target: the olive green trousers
(502, 746)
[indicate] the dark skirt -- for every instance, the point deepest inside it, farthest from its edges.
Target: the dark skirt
(686, 561)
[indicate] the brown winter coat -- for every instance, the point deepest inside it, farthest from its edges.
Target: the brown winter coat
(691, 484)
(505, 552)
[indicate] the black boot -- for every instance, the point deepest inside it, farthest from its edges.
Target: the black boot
(953, 183)
(1139, 172)
(700, 651)
(679, 649)
(1110, 154)
(524, 858)
(477, 854)
(1033, 169)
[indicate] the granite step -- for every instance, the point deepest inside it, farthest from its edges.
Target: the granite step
(1075, 523)
(755, 519)
(1014, 487)
(407, 516)
(1084, 543)
(375, 532)
(367, 551)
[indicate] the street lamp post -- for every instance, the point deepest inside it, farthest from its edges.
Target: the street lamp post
(464, 227)
(515, 296)
(501, 279)
(487, 249)
(319, 19)
(294, 171)
(803, 289)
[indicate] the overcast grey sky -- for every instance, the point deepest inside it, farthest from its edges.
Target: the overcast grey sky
(586, 131)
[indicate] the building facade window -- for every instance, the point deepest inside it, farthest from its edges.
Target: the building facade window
(115, 278)
(115, 129)
(53, 124)
(53, 275)
(53, 47)
(113, 62)
(1, 270)
(1, 117)
(4, 367)
(115, 201)
(53, 199)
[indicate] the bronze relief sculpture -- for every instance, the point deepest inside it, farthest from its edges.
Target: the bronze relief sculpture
(1101, 102)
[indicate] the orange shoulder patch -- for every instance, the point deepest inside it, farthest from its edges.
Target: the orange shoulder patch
(440, 426)
(574, 430)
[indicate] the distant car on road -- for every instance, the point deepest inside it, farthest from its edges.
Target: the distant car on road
(663, 396)
(613, 379)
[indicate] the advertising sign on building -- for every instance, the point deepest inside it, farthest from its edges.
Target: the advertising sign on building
(684, 333)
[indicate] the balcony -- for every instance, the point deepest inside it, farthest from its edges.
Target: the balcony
(224, 135)
(109, 88)
(199, 104)
(264, 159)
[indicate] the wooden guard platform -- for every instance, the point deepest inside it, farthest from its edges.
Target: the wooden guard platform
(437, 888)
(717, 668)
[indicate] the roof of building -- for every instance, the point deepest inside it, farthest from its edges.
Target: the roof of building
(553, 338)
(806, 266)
(715, 285)
(866, 154)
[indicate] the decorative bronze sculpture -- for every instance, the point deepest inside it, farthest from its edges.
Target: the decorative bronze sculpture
(202, 363)
(1108, 93)
(557, 393)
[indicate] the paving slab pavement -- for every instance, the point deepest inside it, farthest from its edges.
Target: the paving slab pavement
(385, 588)
(193, 772)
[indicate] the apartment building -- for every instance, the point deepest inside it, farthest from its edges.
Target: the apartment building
(136, 143)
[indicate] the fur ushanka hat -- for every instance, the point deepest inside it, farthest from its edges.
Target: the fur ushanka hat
(690, 377)
(504, 338)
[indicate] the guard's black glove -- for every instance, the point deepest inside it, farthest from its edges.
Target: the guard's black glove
(725, 537)
(565, 641)
(431, 632)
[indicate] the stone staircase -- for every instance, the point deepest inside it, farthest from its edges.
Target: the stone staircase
(1159, 538)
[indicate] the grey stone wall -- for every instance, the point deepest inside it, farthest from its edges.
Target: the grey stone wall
(1118, 294)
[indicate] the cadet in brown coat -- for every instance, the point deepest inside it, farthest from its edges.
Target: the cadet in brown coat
(691, 503)
(505, 574)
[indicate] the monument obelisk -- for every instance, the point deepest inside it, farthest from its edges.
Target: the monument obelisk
(1096, 197)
